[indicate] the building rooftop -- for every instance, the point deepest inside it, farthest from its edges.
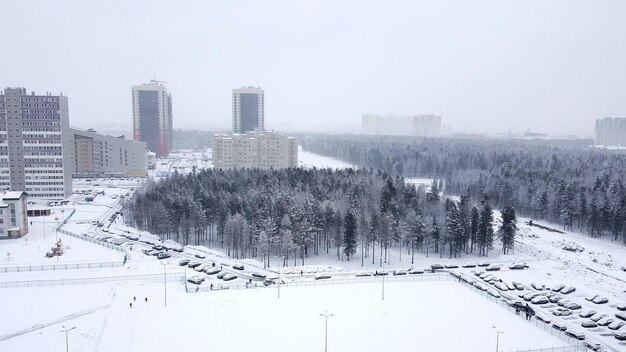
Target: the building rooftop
(13, 195)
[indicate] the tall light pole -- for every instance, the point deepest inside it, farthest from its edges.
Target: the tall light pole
(282, 257)
(165, 279)
(498, 332)
(65, 330)
(383, 275)
(326, 315)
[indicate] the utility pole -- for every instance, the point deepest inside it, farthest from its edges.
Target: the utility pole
(165, 280)
(498, 332)
(383, 276)
(65, 330)
(326, 315)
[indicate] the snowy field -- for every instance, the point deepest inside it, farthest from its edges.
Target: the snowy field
(309, 160)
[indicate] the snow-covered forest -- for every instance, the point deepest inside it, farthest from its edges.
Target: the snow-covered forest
(293, 214)
(563, 182)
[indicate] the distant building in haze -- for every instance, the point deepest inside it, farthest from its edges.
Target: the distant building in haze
(262, 150)
(248, 109)
(419, 126)
(152, 116)
(97, 154)
(35, 147)
(611, 131)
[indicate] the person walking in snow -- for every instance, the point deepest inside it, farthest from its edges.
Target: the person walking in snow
(131, 304)
(146, 299)
(134, 299)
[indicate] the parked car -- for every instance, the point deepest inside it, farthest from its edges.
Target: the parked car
(605, 321)
(194, 264)
(238, 266)
(557, 288)
(616, 325)
(436, 267)
(500, 286)
(221, 275)
(399, 272)
(543, 319)
(200, 268)
(587, 314)
(517, 266)
(568, 290)
(538, 287)
(518, 285)
(530, 295)
(598, 316)
(468, 265)
(451, 266)
(483, 264)
(592, 346)
(621, 316)
(381, 273)
(493, 293)
(212, 270)
(196, 279)
(163, 255)
(561, 312)
(621, 307)
(158, 247)
(588, 324)
(559, 326)
(509, 286)
(600, 300)
(177, 249)
(540, 300)
(575, 334)
(229, 277)
(416, 271)
(480, 286)
(554, 298)
(477, 273)
(620, 335)
(200, 256)
(572, 306)
(493, 268)
(258, 275)
(363, 274)
(322, 276)
(183, 262)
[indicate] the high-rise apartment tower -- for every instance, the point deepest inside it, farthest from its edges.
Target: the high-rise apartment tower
(152, 116)
(248, 109)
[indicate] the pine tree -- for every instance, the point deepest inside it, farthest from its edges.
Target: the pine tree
(474, 226)
(508, 229)
(349, 237)
(485, 231)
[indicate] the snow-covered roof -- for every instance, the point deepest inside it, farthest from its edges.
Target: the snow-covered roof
(13, 195)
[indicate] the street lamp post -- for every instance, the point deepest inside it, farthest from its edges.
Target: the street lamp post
(165, 280)
(498, 332)
(282, 257)
(383, 276)
(326, 315)
(65, 330)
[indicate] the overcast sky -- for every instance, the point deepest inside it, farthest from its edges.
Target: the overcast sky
(484, 66)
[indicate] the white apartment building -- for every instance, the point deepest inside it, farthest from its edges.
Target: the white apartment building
(262, 150)
(13, 218)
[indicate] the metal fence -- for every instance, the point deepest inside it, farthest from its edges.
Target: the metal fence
(47, 267)
(170, 277)
(190, 288)
(573, 344)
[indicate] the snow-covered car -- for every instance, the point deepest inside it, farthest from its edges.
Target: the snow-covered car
(621, 316)
(620, 335)
(322, 276)
(588, 324)
(540, 300)
(561, 302)
(478, 273)
(480, 286)
(451, 266)
(517, 266)
(416, 271)
(500, 286)
(572, 306)
(381, 273)
(436, 267)
(483, 274)
(616, 325)
(592, 346)
(561, 312)
(200, 256)
(212, 270)
(554, 298)
(399, 272)
(568, 290)
(538, 287)
(543, 319)
(483, 264)
(229, 277)
(163, 255)
(559, 326)
(468, 265)
(196, 279)
(183, 262)
(258, 275)
(493, 268)
(557, 288)
(605, 321)
(178, 249)
(510, 286)
(600, 300)
(518, 286)
(587, 314)
(493, 293)
(153, 252)
(200, 268)
(238, 267)
(363, 274)
(194, 264)
(598, 316)
(158, 247)
(575, 334)
(530, 295)
(221, 275)
(224, 287)
(621, 307)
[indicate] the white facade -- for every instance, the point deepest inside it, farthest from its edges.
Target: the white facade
(248, 109)
(262, 150)
(611, 131)
(13, 215)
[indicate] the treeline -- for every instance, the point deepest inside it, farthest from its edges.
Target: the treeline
(562, 182)
(293, 214)
(192, 139)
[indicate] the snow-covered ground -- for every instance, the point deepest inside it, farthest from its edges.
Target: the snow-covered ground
(309, 160)
(438, 316)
